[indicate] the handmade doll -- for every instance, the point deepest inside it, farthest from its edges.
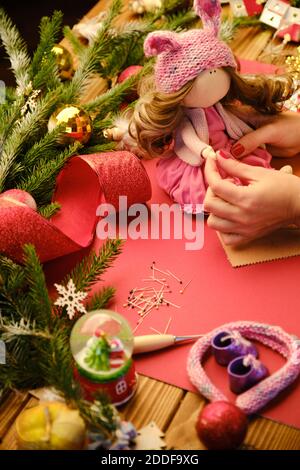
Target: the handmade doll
(183, 112)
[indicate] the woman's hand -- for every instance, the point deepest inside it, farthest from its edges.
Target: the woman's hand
(242, 213)
(281, 133)
(208, 152)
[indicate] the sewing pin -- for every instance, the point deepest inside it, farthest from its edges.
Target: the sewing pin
(182, 290)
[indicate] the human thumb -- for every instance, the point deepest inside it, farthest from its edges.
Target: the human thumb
(252, 141)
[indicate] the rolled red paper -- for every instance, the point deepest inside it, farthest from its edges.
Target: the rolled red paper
(84, 183)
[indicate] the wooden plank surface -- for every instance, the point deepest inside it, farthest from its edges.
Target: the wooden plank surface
(173, 410)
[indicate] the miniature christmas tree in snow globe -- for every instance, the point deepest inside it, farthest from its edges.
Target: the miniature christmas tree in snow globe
(102, 344)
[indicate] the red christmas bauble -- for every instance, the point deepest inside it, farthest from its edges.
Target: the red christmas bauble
(18, 196)
(221, 426)
(128, 72)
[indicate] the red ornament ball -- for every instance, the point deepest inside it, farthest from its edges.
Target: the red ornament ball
(221, 426)
(128, 72)
(18, 196)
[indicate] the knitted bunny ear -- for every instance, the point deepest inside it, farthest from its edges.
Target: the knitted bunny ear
(210, 13)
(160, 41)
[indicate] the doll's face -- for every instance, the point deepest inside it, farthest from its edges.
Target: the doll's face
(209, 87)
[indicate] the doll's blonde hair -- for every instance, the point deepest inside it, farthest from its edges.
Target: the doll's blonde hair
(156, 115)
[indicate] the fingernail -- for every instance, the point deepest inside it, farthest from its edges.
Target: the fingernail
(237, 150)
(222, 154)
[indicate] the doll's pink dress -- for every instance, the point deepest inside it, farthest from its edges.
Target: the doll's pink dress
(185, 183)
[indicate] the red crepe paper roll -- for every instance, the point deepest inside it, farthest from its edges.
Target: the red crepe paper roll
(83, 183)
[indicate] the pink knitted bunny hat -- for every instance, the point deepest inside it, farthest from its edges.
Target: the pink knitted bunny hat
(182, 56)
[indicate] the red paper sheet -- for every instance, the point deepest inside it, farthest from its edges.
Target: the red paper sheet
(218, 293)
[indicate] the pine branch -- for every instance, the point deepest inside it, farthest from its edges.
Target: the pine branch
(101, 299)
(9, 114)
(56, 357)
(44, 72)
(76, 44)
(230, 26)
(11, 329)
(16, 50)
(129, 38)
(112, 99)
(40, 182)
(101, 416)
(49, 35)
(25, 131)
(49, 210)
(47, 145)
(104, 147)
(90, 269)
(91, 58)
(179, 21)
(38, 292)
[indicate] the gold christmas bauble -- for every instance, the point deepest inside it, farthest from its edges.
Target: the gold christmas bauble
(64, 62)
(75, 122)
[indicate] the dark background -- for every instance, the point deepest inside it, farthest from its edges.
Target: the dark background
(26, 16)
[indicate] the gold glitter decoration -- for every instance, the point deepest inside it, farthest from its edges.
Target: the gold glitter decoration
(64, 62)
(293, 65)
(76, 124)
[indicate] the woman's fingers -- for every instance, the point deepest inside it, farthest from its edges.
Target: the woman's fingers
(221, 225)
(219, 207)
(249, 142)
(235, 168)
(233, 239)
(223, 188)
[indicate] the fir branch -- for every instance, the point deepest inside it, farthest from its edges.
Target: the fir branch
(169, 6)
(180, 20)
(48, 75)
(38, 292)
(47, 145)
(55, 357)
(40, 181)
(16, 50)
(100, 415)
(24, 131)
(49, 35)
(8, 265)
(112, 99)
(11, 329)
(9, 114)
(76, 44)
(103, 147)
(101, 299)
(90, 269)
(129, 38)
(44, 71)
(91, 58)
(49, 210)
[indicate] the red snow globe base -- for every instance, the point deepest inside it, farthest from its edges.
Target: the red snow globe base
(119, 390)
(102, 344)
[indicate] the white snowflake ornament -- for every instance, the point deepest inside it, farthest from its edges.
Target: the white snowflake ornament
(70, 298)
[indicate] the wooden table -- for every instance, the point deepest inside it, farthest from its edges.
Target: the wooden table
(173, 410)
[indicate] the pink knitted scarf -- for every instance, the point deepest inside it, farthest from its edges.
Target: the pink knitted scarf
(258, 396)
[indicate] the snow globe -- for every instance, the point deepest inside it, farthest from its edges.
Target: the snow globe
(102, 345)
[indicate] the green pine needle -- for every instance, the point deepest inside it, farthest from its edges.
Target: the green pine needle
(49, 210)
(87, 272)
(101, 299)
(77, 46)
(38, 292)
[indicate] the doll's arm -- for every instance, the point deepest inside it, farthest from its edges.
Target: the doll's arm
(188, 146)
